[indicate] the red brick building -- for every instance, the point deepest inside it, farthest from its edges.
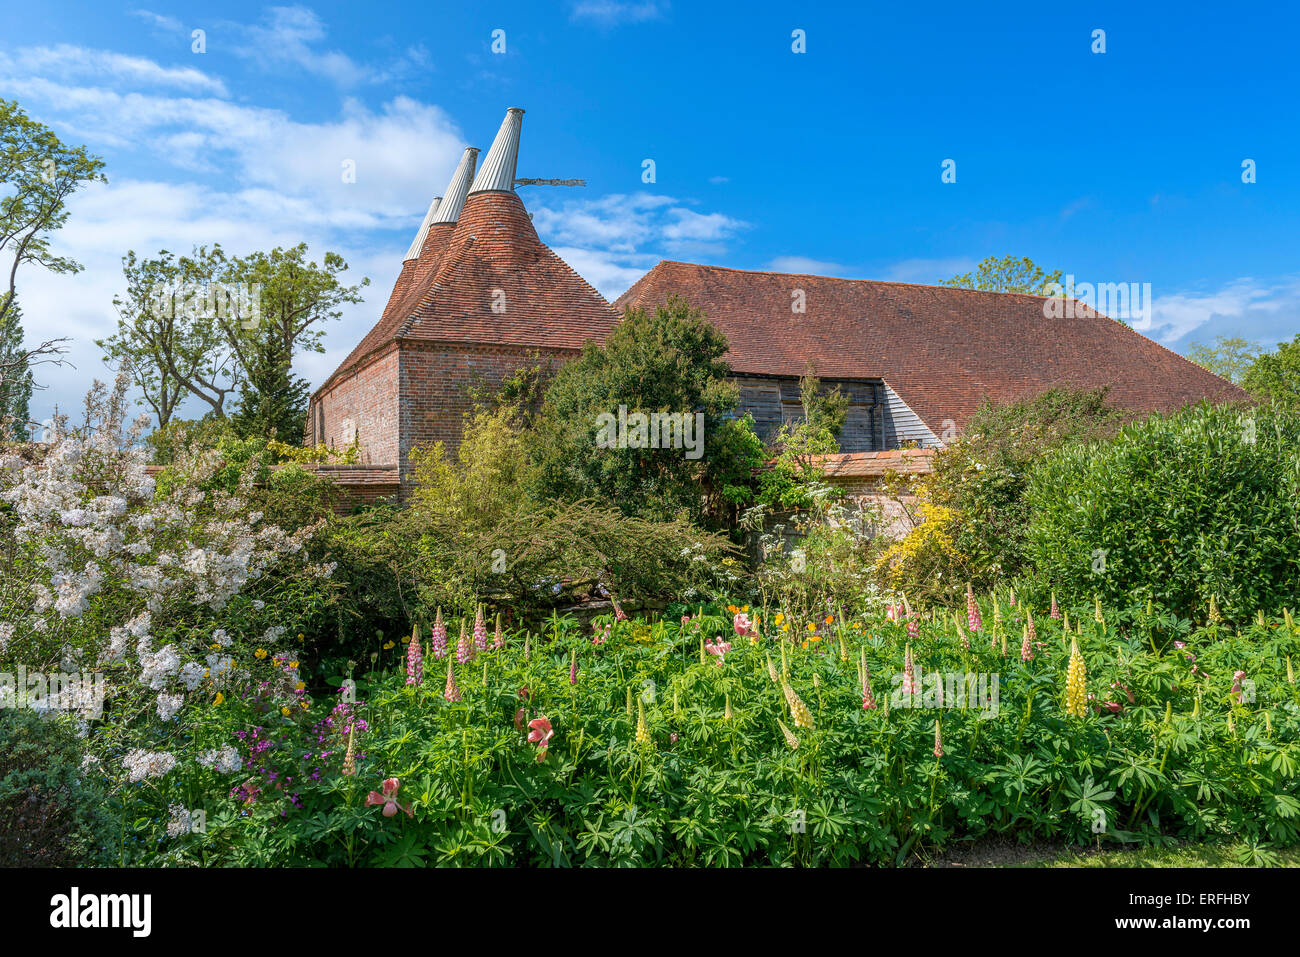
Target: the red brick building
(479, 295)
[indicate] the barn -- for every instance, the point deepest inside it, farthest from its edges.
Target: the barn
(480, 295)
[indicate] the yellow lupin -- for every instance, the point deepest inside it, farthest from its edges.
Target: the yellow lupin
(1097, 612)
(1290, 672)
(798, 710)
(642, 730)
(726, 711)
(1076, 678)
(790, 739)
(771, 670)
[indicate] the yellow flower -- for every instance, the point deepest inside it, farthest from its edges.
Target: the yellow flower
(1076, 677)
(219, 698)
(857, 625)
(389, 644)
(771, 670)
(785, 627)
(798, 710)
(260, 653)
(293, 664)
(301, 685)
(780, 617)
(285, 711)
(744, 609)
(790, 739)
(214, 647)
(726, 712)
(811, 626)
(301, 636)
(642, 730)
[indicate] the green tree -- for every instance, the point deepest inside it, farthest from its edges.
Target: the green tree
(1230, 357)
(1007, 274)
(16, 383)
(213, 326)
(670, 361)
(296, 297)
(39, 173)
(1275, 376)
(170, 333)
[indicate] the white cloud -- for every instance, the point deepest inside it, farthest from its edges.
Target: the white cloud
(402, 154)
(291, 37)
(803, 265)
(68, 62)
(1264, 311)
(612, 12)
(927, 271)
(611, 241)
(158, 21)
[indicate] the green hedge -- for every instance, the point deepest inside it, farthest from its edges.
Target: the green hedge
(1175, 509)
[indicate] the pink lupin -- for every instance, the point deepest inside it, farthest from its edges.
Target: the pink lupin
(415, 659)
(438, 640)
(464, 650)
(573, 667)
(499, 640)
(909, 675)
(973, 620)
(451, 693)
(1026, 647)
(480, 630)
(1056, 609)
(868, 699)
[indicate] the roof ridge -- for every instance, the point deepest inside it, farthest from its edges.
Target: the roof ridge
(850, 279)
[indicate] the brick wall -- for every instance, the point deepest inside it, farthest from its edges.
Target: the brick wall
(368, 399)
(437, 384)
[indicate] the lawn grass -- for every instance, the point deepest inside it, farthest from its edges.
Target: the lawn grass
(1009, 854)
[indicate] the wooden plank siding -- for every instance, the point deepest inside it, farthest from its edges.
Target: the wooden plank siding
(774, 401)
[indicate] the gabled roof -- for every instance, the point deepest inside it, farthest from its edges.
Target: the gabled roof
(943, 350)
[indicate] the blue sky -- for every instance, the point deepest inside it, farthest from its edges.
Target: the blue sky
(1116, 167)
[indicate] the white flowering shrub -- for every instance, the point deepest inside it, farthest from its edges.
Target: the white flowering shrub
(181, 595)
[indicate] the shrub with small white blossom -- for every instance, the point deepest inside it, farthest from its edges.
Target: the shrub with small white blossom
(170, 592)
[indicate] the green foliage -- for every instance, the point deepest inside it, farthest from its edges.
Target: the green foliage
(1177, 508)
(16, 382)
(982, 477)
(1007, 274)
(1230, 357)
(668, 362)
(209, 325)
(39, 173)
(1168, 750)
(52, 814)
(473, 528)
(1275, 376)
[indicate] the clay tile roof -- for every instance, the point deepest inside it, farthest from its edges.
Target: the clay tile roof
(942, 350)
(871, 464)
(542, 302)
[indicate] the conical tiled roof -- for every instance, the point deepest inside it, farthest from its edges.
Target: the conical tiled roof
(421, 261)
(483, 276)
(499, 284)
